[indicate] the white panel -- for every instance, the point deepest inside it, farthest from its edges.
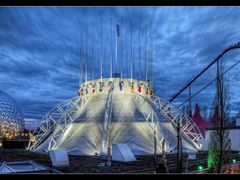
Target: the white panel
(238, 121)
(121, 152)
(116, 154)
(59, 158)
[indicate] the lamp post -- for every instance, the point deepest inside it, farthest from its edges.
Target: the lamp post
(179, 149)
(155, 151)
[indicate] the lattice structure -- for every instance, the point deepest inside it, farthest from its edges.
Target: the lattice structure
(11, 117)
(189, 129)
(107, 114)
(59, 117)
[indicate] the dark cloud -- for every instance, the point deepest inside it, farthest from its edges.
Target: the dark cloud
(40, 49)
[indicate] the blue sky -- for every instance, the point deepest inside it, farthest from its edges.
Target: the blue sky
(40, 49)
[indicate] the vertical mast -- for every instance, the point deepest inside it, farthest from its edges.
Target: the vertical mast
(147, 56)
(86, 78)
(81, 73)
(139, 63)
(93, 54)
(116, 54)
(121, 50)
(101, 55)
(152, 58)
(111, 53)
(131, 55)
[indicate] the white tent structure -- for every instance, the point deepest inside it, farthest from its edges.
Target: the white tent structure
(114, 111)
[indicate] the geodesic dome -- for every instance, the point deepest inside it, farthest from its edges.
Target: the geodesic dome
(11, 117)
(115, 111)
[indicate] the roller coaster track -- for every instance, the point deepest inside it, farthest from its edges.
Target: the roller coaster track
(234, 46)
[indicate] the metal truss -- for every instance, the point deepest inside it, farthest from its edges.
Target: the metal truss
(189, 129)
(60, 116)
(107, 120)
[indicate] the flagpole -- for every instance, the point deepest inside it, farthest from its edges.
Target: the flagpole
(86, 78)
(131, 55)
(116, 51)
(101, 55)
(121, 40)
(111, 53)
(80, 74)
(93, 54)
(139, 52)
(147, 55)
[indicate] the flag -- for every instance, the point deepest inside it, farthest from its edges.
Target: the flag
(118, 30)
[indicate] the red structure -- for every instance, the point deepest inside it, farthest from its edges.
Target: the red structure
(201, 123)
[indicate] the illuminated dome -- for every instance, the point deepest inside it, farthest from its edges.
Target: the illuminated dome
(11, 117)
(115, 111)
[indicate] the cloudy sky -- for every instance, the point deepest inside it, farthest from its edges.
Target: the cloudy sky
(40, 49)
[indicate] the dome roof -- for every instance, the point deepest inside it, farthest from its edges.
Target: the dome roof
(114, 111)
(11, 117)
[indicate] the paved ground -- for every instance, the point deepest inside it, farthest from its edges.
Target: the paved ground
(85, 164)
(79, 164)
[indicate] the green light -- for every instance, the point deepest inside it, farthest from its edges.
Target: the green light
(234, 160)
(200, 168)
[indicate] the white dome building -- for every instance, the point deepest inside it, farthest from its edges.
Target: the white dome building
(11, 117)
(115, 111)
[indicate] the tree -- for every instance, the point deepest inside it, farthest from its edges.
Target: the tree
(205, 112)
(219, 145)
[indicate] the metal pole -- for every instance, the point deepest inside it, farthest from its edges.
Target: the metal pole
(190, 105)
(147, 55)
(155, 151)
(111, 54)
(86, 57)
(139, 53)
(131, 55)
(121, 41)
(93, 54)
(101, 55)
(81, 60)
(179, 168)
(116, 54)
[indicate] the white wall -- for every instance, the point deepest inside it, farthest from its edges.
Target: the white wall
(234, 135)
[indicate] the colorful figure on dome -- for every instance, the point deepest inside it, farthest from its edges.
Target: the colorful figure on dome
(132, 87)
(81, 91)
(139, 88)
(110, 86)
(151, 91)
(93, 88)
(87, 89)
(120, 85)
(100, 86)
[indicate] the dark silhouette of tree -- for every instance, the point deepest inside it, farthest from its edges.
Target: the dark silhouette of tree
(219, 140)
